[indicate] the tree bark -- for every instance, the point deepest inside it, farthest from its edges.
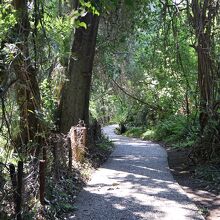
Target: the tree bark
(76, 92)
(202, 22)
(28, 93)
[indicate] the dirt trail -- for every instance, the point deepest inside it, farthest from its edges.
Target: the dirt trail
(135, 183)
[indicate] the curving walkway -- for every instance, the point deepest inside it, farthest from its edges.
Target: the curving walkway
(135, 183)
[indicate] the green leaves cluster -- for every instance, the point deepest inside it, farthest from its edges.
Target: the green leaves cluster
(7, 18)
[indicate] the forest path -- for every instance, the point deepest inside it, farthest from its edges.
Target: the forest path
(135, 183)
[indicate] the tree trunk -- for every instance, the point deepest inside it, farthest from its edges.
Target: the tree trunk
(76, 92)
(202, 21)
(28, 93)
(206, 82)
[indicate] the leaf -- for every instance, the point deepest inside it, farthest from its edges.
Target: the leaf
(88, 4)
(30, 111)
(83, 24)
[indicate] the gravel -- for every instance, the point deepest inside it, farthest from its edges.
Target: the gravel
(135, 183)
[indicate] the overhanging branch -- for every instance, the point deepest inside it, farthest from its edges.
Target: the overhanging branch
(133, 97)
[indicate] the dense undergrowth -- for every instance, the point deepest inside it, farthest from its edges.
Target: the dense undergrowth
(61, 184)
(63, 193)
(176, 131)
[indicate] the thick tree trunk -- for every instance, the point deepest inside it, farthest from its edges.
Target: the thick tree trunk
(203, 21)
(76, 92)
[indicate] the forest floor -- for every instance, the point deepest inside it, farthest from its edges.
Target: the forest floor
(203, 193)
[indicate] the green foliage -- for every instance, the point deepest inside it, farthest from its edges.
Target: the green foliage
(135, 132)
(148, 66)
(57, 31)
(208, 173)
(121, 114)
(7, 154)
(104, 144)
(61, 196)
(171, 128)
(89, 7)
(49, 102)
(149, 134)
(175, 131)
(7, 18)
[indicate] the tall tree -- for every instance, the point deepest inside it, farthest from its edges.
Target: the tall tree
(203, 20)
(76, 92)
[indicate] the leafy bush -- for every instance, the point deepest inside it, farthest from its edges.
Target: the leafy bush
(171, 129)
(104, 144)
(148, 135)
(208, 173)
(135, 132)
(177, 131)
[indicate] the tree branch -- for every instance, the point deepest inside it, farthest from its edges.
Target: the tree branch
(133, 97)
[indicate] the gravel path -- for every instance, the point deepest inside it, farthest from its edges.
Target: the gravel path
(135, 183)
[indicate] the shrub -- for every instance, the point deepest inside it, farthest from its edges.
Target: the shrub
(177, 130)
(135, 132)
(148, 135)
